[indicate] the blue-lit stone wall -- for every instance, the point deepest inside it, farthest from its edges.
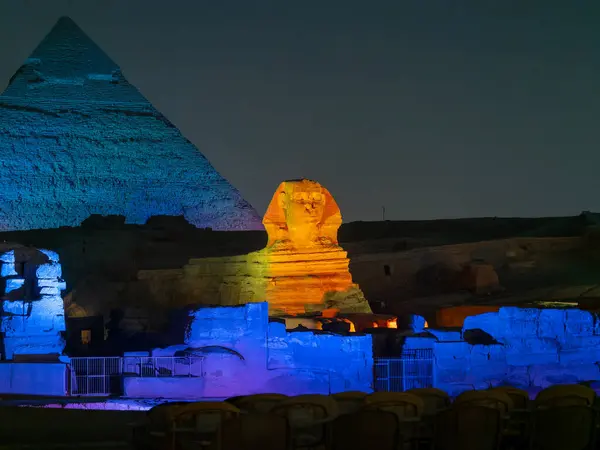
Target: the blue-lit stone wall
(77, 139)
(244, 353)
(32, 315)
(535, 348)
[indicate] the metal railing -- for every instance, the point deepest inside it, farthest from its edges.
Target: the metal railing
(95, 376)
(413, 369)
(163, 366)
(102, 376)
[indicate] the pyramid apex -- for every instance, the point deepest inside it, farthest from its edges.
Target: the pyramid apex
(65, 20)
(67, 64)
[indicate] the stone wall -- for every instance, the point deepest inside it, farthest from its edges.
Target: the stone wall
(244, 353)
(533, 349)
(32, 315)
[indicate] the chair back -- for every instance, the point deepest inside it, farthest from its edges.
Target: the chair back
(519, 397)
(349, 402)
(203, 417)
(491, 399)
(566, 395)
(365, 430)
(434, 399)
(404, 404)
(255, 431)
(468, 426)
(307, 416)
(564, 427)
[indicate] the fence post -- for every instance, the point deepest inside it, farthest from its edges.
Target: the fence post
(389, 378)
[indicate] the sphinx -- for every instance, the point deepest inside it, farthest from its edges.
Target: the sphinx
(302, 270)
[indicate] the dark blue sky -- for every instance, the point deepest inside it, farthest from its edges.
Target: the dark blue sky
(489, 108)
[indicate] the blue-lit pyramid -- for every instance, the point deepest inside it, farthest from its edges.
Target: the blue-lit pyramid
(77, 139)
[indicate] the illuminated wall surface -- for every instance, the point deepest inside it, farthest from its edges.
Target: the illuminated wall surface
(535, 348)
(32, 308)
(245, 353)
(77, 139)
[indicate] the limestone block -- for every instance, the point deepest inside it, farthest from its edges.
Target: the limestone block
(23, 325)
(417, 323)
(579, 356)
(13, 284)
(551, 324)
(581, 342)
(49, 271)
(52, 256)
(488, 322)
(583, 372)
(48, 305)
(483, 354)
(445, 335)
(525, 352)
(33, 345)
(579, 323)
(452, 354)
(545, 375)
(8, 269)
(418, 342)
(518, 322)
(50, 291)
(8, 257)
(58, 284)
(518, 376)
(16, 307)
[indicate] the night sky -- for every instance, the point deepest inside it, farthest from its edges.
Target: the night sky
(431, 110)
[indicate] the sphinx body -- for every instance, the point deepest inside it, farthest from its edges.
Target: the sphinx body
(301, 270)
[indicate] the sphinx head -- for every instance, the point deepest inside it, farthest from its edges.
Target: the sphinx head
(303, 213)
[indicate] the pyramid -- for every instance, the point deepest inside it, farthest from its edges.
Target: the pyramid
(77, 139)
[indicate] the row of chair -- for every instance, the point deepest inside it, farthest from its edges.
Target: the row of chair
(420, 418)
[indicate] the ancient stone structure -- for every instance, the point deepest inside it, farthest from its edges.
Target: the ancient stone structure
(32, 307)
(77, 139)
(245, 353)
(302, 269)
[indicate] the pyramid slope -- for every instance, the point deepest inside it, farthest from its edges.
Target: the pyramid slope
(77, 139)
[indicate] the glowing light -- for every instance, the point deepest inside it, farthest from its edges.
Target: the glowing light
(392, 323)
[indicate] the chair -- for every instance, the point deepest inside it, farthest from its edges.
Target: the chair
(408, 408)
(350, 401)
(434, 399)
(155, 430)
(468, 426)
(404, 404)
(197, 424)
(563, 428)
(255, 431)
(308, 416)
(490, 398)
(519, 397)
(258, 402)
(565, 395)
(365, 430)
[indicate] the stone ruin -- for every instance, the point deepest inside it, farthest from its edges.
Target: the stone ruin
(32, 313)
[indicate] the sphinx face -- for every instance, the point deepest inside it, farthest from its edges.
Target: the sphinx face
(304, 206)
